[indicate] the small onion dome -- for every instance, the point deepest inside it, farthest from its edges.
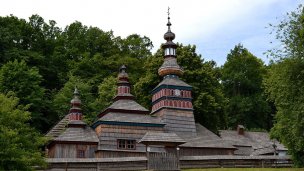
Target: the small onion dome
(169, 36)
(76, 101)
(170, 67)
(123, 75)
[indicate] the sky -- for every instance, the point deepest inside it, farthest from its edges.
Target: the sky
(214, 26)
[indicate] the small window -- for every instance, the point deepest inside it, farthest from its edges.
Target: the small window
(80, 154)
(126, 144)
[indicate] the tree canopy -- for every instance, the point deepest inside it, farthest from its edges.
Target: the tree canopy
(19, 142)
(285, 86)
(242, 76)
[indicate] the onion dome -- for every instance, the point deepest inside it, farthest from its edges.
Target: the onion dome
(169, 36)
(123, 75)
(76, 101)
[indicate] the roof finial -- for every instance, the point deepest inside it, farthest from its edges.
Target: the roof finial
(122, 69)
(76, 91)
(168, 12)
(169, 23)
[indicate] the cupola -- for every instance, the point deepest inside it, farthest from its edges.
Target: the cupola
(170, 66)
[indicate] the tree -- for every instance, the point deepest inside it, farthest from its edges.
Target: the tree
(106, 92)
(25, 82)
(208, 98)
(242, 76)
(19, 143)
(285, 86)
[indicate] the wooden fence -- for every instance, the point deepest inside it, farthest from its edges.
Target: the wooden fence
(140, 163)
(235, 161)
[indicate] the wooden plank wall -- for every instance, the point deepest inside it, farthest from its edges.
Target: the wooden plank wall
(204, 151)
(108, 135)
(114, 154)
(69, 151)
(180, 122)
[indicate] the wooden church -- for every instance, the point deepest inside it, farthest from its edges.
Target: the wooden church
(127, 129)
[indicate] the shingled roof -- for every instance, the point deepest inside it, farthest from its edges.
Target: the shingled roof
(259, 142)
(74, 134)
(58, 128)
(130, 117)
(157, 138)
(127, 105)
(172, 81)
(206, 139)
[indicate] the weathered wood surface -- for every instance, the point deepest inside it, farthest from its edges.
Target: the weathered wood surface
(228, 161)
(180, 122)
(108, 135)
(140, 163)
(69, 151)
(97, 164)
(204, 151)
(163, 161)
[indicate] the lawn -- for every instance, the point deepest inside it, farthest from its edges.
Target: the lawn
(248, 169)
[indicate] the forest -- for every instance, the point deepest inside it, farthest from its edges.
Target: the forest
(40, 64)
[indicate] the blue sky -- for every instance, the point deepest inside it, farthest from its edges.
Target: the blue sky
(214, 26)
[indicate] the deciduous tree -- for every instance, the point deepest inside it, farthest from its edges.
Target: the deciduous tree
(19, 143)
(242, 76)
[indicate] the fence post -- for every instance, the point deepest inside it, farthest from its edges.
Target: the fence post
(148, 156)
(177, 156)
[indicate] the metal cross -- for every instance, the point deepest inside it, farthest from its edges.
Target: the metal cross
(168, 12)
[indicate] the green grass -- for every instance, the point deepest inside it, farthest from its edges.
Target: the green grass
(248, 169)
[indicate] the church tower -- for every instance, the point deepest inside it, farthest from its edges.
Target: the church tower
(172, 100)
